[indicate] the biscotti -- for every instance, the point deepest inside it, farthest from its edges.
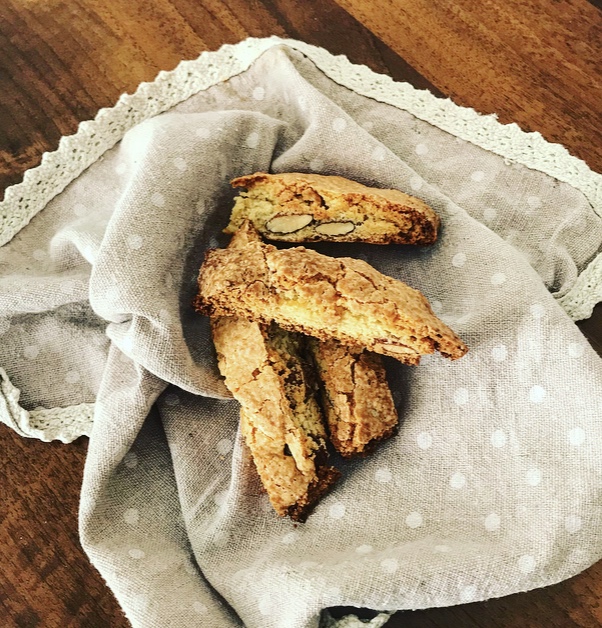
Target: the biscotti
(343, 299)
(297, 207)
(356, 398)
(280, 417)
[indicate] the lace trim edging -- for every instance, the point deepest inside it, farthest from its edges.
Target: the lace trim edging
(64, 424)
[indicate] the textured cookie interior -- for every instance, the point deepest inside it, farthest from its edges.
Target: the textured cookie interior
(285, 351)
(356, 397)
(280, 417)
(365, 217)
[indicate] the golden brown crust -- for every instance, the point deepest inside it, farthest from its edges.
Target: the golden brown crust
(331, 203)
(343, 299)
(280, 418)
(356, 397)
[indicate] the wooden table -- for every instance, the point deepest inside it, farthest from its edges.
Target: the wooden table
(534, 62)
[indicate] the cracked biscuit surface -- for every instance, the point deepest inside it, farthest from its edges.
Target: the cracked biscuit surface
(357, 401)
(344, 299)
(298, 207)
(280, 418)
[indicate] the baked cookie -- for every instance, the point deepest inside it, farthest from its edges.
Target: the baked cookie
(356, 398)
(343, 299)
(296, 207)
(280, 418)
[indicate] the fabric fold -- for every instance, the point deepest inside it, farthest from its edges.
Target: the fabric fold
(491, 485)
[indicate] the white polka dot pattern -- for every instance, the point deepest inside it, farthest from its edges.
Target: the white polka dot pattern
(364, 549)
(131, 516)
(499, 353)
(457, 481)
(199, 608)
(424, 440)
(180, 164)
(489, 214)
(492, 522)
(252, 140)
(475, 429)
(458, 260)
(135, 242)
(468, 593)
(499, 438)
(414, 520)
(378, 154)
(389, 565)
(157, 199)
(224, 446)
(131, 460)
(576, 436)
(416, 183)
(337, 511)
(537, 394)
(339, 124)
(498, 279)
(136, 554)
(31, 352)
(290, 538)
(461, 397)
(573, 524)
(526, 564)
(172, 399)
(383, 476)
(72, 377)
(533, 477)
(538, 310)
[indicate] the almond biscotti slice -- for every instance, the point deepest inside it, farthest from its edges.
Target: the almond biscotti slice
(280, 417)
(343, 299)
(297, 207)
(356, 397)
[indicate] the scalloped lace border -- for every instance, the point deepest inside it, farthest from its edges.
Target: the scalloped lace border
(94, 137)
(64, 424)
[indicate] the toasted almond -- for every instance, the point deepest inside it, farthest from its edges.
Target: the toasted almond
(288, 223)
(335, 228)
(391, 348)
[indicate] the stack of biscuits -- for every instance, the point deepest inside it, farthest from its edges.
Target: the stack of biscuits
(298, 334)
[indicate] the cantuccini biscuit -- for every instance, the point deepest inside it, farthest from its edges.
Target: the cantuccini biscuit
(280, 418)
(356, 398)
(297, 207)
(329, 298)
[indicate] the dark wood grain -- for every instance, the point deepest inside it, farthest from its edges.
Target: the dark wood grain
(534, 62)
(46, 579)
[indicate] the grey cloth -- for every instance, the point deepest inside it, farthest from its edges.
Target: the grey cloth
(493, 483)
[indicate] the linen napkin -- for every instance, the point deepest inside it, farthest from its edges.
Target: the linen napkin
(493, 483)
